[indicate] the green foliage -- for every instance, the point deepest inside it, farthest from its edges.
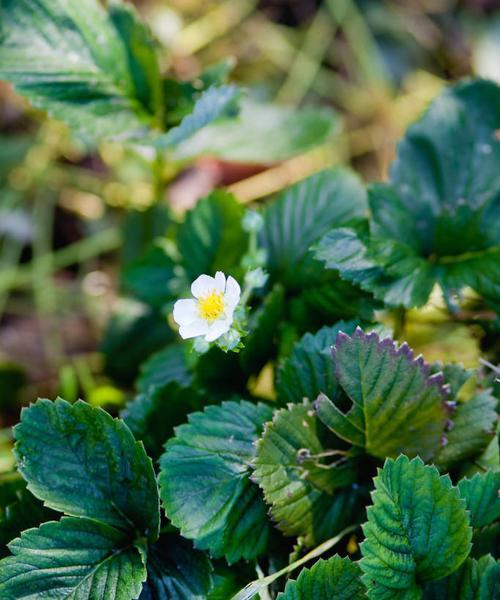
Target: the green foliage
(337, 578)
(417, 531)
(298, 481)
(163, 367)
(73, 558)
(176, 571)
(481, 495)
(205, 480)
(81, 461)
(436, 221)
(262, 133)
(211, 238)
(308, 371)
(397, 405)
(97, 72)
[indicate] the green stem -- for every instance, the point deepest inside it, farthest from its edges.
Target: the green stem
(255, 587)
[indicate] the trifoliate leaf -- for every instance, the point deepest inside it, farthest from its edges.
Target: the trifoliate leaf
(333, 579)
(166, 366)
(309, 371)
(299, 481)
(481, 494)
(176, 571)
(81, 461)
(397, 405)
(98, 74)
(261, 133)
(474, 580)
(263, 326)
(205, 480)
(152, 415)
(77, 559)
(437, 220)
(301, 215)
(473, 425)
(149, 278)
(214, 103)
(211, 238)
(417, 530)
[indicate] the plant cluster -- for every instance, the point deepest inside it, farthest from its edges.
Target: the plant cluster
(215, 483)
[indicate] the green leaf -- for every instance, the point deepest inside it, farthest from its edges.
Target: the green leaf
(176, 571)
(262, 133)
(205, 481)
(214, 103)
(481, 494)
(299, 481)
(473, 425)
(97, 74)
(152, 415)
(79, 559)
(474, 580)
(211, 238)
(149, 278)
(336, 578)
(263, 326)
(308, 371)
(81, 461)
(133, 333)
(397, 405)
(437, 220)
(19, 510)
(301, 215)
(166, 366)
(417, 530)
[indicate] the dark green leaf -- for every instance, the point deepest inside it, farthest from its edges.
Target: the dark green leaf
(299, 481)
(211, 238)
(481, 493)
(474, 580)
(262, 134)
(152, 415)
(166, 366)
(263, 326)
(205, 480)
(417, 531)
(176, 571)
(73, 61)
(397, 405)
(213, 104)
(309, 370)
(333, 579)
(81, 461)
(78, 559)
(473, 425)
(301, 215)
(150, 277)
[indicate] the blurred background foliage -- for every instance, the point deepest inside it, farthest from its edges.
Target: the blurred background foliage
(72, 217)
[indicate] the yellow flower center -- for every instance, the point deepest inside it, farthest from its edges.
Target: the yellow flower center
(211, 306)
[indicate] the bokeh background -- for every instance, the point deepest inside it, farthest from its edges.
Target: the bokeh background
(71, 217)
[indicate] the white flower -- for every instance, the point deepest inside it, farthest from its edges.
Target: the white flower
(210, 314)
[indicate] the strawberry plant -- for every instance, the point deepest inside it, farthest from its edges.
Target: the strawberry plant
(282, 440)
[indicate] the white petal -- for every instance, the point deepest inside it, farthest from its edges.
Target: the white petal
(194, 329)
(233, 292)
(217, 328)
(220, 281)
(185, 311)
(202, 286)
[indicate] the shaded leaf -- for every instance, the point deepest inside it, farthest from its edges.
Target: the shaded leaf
(205, 480)
(481, 495)
(166, 366)
(78, 559)
(81, 461)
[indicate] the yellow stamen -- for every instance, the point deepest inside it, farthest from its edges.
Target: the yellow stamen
(211, 306)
